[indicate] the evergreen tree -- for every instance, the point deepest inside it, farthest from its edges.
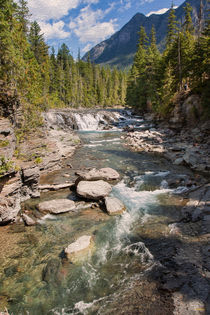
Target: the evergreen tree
(172, 26)
(23, 15)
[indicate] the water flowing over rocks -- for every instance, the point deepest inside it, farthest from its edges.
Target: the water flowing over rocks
(82, 120)
(95, 190)
(57, 206)
(114, 206)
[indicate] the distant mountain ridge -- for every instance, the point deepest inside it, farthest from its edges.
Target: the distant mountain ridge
(120, 48)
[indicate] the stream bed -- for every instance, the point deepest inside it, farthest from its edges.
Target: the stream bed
(36, 279)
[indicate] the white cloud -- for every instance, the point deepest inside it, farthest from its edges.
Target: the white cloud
(146, 1)
(44, 10)
(54, 30)
(89, 28)
(161, 11)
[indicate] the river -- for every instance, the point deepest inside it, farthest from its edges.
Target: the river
(125, 246)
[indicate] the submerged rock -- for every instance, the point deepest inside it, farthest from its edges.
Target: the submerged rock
(51, 271)
(101, 174)
(77, 250)
(114, 206)
(57, 206)
(93, 189)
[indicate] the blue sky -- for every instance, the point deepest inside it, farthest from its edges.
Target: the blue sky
(84, 23)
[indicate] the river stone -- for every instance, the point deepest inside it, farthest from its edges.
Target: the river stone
(27, 220)
(78, 249)
(114, 206)
(101, 174)
(57, 206)
(95, 190)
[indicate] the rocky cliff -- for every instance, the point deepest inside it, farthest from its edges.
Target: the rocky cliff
(120, 48)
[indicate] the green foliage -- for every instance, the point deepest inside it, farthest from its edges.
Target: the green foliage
(156, 81)
(5, 166)
(4, 143)
(46, 80)
(38, 160)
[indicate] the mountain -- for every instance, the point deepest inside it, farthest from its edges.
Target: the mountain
(120, 48)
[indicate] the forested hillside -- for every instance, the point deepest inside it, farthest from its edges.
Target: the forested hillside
(158, 81)
(45, 79)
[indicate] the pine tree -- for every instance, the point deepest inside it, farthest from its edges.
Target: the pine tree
(188, 24)
(172, 26)
(23, 16)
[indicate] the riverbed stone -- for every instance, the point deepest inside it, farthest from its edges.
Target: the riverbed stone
(28, 220)
(94, 174)
(79, 249)
(114, 206)
(57, 206)
(95, 190)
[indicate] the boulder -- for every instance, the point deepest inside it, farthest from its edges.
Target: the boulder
(78, 250)
(95, 190)
(57, 206)
(101, 174)
(114, 206)
(28, 220)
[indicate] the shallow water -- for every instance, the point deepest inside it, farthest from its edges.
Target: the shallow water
(119, 255)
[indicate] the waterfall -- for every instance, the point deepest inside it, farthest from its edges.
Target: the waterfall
(87, 121)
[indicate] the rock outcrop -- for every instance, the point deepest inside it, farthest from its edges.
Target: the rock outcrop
(95, 190)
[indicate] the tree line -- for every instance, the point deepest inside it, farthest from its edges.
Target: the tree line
(156, 80)
(47, 79)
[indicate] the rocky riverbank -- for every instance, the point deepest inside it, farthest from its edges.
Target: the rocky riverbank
(41, 152)
(185, 146)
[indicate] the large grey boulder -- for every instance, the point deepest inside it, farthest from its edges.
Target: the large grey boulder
(107, 174)
(78, 250)
(57, 206)
(114, 206)
(95, 190)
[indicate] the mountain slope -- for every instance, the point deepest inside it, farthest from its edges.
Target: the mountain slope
(120, 48)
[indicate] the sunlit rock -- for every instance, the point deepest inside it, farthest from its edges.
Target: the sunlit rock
(114, 206)
(101, 174)
(95, 190)
(79, 249)
(28, 220)
(57, 206)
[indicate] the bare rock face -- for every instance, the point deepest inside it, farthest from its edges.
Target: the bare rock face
(114, 206)
(57, 206)
(95, 190)
(9, 208)
(78, 250)
(101, 174)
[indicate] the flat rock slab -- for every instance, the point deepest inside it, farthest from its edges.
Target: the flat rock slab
(78, 250)
(101, 174)
(114, 206)
(95, 190)
(57, 206)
